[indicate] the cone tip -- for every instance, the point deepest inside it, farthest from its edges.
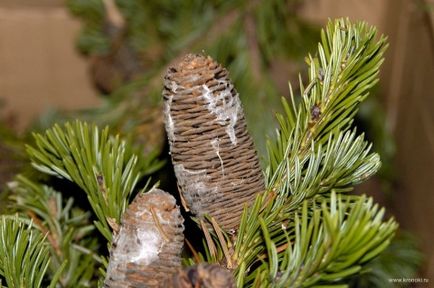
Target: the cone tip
(191, 62)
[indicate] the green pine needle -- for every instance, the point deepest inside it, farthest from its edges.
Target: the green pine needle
(73, 247)
(347, 66)
(103, 166)
(324, 242)
(331, 243)
(24, 255)
(301, 232)
(344, 161)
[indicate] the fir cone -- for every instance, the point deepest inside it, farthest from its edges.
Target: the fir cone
(202, 276)
(148, 246)
(212, 152)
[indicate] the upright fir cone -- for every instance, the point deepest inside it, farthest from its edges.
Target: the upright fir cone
(212, 152)
(147, 249)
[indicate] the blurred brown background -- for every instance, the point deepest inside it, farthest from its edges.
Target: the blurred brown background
(39, 69)
(39, 65)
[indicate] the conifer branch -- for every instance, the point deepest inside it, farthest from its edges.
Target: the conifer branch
(330, 242)
(104, 167)
(314, 157)
(24, 255)
(344, 161)
(67, 228)
(301, 231)
(339, 79)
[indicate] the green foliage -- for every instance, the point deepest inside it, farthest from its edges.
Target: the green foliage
(401, 259)
(300, 232)
(104, 167)
(92, 37)
(12, 157)
(72, 244)
(250, 38)
(345, 161)
(314, 151)
(330, 243)
(339, 79)
(372, 118)
(172, 26)
(107, 169)
(24, 255)
(326, 240)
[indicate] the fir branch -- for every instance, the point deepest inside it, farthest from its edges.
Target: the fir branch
(316, 154)
(67, 231)
(344, 161)
(103, 166)
(329, 245)
(315, 130)
(347, 67)
(24, 255)
(222, 28)
(401, 259)
(325, 240)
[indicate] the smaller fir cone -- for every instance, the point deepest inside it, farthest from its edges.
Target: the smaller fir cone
(147, 249)
(212, 152)
(202, 276)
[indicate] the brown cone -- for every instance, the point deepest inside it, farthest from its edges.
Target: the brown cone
(212, 152)
(202, 276)
(149, 243)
